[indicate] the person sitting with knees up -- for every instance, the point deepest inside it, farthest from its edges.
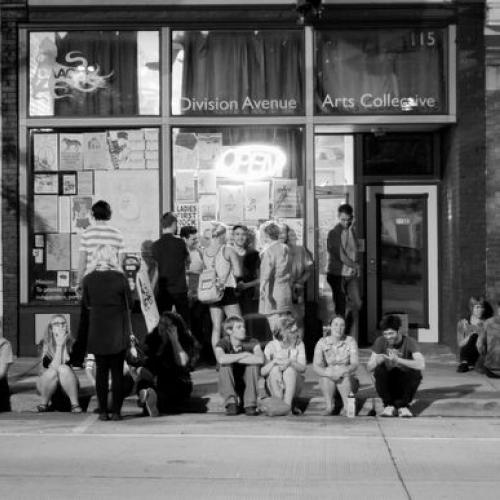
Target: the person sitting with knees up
(469, 330)
(57, 375)
(285, 364)
(336, 361)
(165, 380)
(239, 358)
(397, 365)
(6, 360)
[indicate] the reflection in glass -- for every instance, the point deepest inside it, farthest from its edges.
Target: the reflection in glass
(237, 72)
(380, 71)
(333, 160)
(403, 257)
(94, 73)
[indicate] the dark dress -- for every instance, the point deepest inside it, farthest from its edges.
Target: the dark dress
(249, 298)
(105, 295)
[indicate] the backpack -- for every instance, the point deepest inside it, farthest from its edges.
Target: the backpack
(209, 289)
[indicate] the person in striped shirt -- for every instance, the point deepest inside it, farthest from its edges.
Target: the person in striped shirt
(99, 233)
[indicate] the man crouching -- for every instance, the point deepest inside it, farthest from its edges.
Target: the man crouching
(396, 363)
(239, 358)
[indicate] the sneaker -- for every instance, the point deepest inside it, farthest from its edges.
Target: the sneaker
(463, 367)
(104, 417)
(251, 411)
(150, 403)
(405, 412)
(116, 417)
(389, 411)
(232, 409)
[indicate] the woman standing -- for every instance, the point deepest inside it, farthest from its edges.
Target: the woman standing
(469, 330)
(336, 361)
(226, 263)
(107, 295)
(57, 374)
(275, 276)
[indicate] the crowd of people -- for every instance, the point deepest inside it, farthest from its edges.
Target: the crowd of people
(253, 329)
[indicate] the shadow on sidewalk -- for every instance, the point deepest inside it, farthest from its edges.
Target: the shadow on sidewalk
(425, 397)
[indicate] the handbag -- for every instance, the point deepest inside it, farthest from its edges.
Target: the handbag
(274, 407)
(209, 291)
(134, 355)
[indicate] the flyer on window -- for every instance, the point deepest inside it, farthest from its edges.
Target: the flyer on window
(187, 214)
(285, 197)
(208, 207)
(71, 151)
(209, 149)
(207, 181)
(58, 252)
(184, 185)
(63, 279)
(96, 152)
(45, 213)
(69, 184)
(85, 183)
(81, 207)
(257, 201)
(231, 203)
(297, 226)
(185, 158)
(64, 214)
(45, 151)
(46, 183)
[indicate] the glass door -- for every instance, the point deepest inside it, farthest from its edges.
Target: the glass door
(402, 268)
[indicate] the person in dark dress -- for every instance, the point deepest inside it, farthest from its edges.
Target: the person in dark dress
(107, 295)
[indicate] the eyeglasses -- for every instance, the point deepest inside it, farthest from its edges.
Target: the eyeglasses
(58, 323)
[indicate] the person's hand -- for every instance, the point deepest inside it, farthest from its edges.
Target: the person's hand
(379, 359)
(283, 364)
(336, 373)
(60, 340)
(183, 357)
(241, 285)
(392, 358)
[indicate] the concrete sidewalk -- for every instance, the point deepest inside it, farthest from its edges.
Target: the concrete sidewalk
(443, 392)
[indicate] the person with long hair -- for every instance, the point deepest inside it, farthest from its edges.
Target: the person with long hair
(336, 361)
(107, 296)
(56, 372)
(224, 259)
(469, 330)
(165, 380)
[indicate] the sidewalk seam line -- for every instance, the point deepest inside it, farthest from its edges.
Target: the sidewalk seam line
(393, 459)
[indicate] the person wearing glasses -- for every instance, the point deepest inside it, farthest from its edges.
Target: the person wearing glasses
(396, 364)
(57, 379)
(343, 266)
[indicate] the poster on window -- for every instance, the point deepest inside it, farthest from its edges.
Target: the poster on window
(69, 184)
(75, 251)
(126, 148)
(46, 183)
(45, 151)
(207, 181)
(231, 203)
(209, 149)
(85, 183)
(295, 225)
(184, 185)
(71, 151)
(257, 200)
(64, 214)
(134, 199)
(185, 158)
(81, 207)
(96, 152)
(285, 197)
(208, 207)
(58, 252)
(45, 211)
(187, 214)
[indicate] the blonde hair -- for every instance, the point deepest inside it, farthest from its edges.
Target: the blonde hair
(218, 229)
(49, 343)
(105, 256)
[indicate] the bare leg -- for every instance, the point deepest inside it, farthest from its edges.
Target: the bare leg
(69, 383)
(47, 385)
(232, 310)
(344, 387)
(275, 382)
(217, 315)
(328, 388)
(290, 379)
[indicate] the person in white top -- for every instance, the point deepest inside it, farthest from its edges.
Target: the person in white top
(285, 364)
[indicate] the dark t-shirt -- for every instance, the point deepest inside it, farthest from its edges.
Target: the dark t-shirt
(248, 345)
(405, 349)
(171, 254)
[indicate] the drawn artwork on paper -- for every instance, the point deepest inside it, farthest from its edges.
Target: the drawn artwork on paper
(58, 252)
(71, 151)
(257, 201)
(96, 151)
(81, 207)
(231, 203)
(285, 197)
(46, 183)
(184, 185)
(45, 213)
(45, 151)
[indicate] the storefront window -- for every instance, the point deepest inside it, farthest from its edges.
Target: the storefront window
(381, 71)
(72, 170)
(94, 73)
(239, 175)
(237, 72)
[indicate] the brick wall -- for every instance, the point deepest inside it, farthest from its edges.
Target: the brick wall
(462, 211)
(10, 15)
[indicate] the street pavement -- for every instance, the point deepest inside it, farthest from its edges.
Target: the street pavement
(450, 451)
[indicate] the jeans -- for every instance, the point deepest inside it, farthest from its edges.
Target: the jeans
(396, 387)
(167, 300)
(345, 292)
(236, 379)
(469, 353)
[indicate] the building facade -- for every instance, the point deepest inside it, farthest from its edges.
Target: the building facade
(245, 112)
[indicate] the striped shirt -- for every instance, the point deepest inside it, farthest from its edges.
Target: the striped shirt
(97, 235)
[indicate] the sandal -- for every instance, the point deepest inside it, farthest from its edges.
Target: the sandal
(42, 408)
(76, 409)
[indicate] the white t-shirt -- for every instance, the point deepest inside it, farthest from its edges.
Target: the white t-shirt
(6, 356)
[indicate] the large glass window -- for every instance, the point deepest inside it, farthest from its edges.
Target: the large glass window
(237, 72)
(381, 71)
(70, 171)
(239, 175)
(94, 73)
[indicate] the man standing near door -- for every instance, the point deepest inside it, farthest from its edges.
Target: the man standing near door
(343, 267)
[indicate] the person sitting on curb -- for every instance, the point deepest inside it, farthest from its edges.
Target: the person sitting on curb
(57, 373)
(6, 360)
(336, 360)
(469, 330)
(396, 363)
(239, 358)
(488, 345)
(285, 364)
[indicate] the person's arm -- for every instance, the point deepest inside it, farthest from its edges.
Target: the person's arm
(318, 361)
(375, 360)
(462, 336)
(417, 363)
(353, 359)
(228, 359)
(181, 357)
(269, 361)
(82, 266)
(5, 359)
(301, 364)
(254, 358)
(266, 269)
(234, 259)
